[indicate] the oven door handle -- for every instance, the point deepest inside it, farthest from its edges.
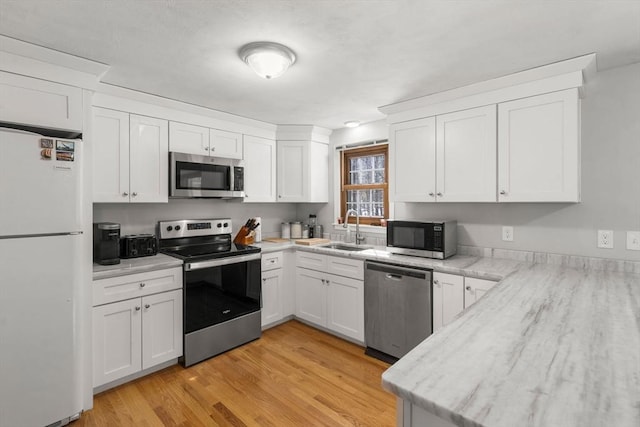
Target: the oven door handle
(190, 266)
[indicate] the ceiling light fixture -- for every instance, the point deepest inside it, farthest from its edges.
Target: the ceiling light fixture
(267, 59)
(352, 124)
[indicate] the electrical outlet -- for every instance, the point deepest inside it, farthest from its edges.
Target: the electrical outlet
(605, 239)
(507, 233)
(633, 240)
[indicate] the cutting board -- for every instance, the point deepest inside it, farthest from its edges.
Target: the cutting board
(313, 241)
(276, 240)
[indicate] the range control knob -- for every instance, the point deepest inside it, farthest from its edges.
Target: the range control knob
(169, 228)
(177, 227)
(226, 224)
(219, 225)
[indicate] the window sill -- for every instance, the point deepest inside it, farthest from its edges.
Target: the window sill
(372, 229)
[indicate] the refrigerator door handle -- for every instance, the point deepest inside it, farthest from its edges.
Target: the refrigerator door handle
(22, 236)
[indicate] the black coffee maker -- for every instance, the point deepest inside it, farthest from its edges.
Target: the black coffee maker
(106, 243)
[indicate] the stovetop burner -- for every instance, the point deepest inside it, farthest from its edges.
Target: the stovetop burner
(192, 240)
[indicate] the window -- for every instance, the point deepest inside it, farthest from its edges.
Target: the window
(364, 183)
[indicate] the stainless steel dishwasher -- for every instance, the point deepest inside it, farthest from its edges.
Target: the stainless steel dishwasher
(397, 309)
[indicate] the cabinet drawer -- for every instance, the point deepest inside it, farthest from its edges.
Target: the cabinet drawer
(272, 261)
(311, 260)
(347, 267)
(136, 285)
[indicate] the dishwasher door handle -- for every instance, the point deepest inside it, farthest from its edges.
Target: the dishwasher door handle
(390, 276)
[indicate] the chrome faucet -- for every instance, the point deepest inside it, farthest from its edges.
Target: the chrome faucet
(359, 237)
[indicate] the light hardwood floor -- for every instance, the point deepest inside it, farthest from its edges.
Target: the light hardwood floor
(294, 375)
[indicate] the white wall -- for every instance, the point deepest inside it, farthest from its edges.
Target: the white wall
(610, 183)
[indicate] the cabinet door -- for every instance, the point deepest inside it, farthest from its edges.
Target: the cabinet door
(318, 173)
(149, 159)
(466, 156)
(448, 298)
(260, 170)
(184, 138)
(161, 328)
(225, 144)
(272, 261)
(129, 286)
(271, 296)
(116, 341)
(345, 306)
(539, 148)
(110, 156)
(311, 296)
(475, 288)
(293, 163)
(412, 155)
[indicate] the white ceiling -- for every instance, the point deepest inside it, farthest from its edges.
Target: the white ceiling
(353, 56)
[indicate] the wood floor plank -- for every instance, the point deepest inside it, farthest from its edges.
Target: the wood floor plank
(294, 375)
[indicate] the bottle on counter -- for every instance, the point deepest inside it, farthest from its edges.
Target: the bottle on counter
(258, 230)
(296, 230)
(285, 230)
(312, 225)
(305, 231)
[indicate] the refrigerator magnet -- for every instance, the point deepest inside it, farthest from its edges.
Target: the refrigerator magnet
(45, 154)
(46, 143)
(64, 156)
(67, 146)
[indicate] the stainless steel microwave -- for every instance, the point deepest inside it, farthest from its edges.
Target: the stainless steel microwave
(191, 175)
(429, 239)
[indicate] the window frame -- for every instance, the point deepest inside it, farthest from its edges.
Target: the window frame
(371, 150)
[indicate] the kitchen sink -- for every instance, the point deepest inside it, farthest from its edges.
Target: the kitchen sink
(345, 247)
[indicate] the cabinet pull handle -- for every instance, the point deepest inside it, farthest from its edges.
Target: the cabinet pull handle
(280, 196)
(134, 194)
(137, 308)
(147, 306)
(439, 194)
(436, 282)
(125, 194)
(327, 282)
(503, 192)
(468, 288)
(272, 261)
(142, 284)
(431, 194)
(206, 148)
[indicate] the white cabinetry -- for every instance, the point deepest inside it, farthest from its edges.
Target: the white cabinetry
(191, 139)
(448, 298)
(303, 171)
(130, 157)
(260, 169)
(138, 333)
(272, 287)
(452, 294)
(474, 289)
(412, 152)
(330, 293)
(447, 158)
(466, 155)
(539, 148)
(40, 103)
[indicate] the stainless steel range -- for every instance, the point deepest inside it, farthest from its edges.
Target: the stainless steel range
(222, 286)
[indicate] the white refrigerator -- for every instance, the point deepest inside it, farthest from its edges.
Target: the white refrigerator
(40, 279)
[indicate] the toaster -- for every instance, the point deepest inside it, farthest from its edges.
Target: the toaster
(138, 245)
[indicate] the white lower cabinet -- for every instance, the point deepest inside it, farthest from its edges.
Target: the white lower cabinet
(272, 288)
(452, 294)
(331, 300)
(136, 334)
(448, 298)
(474, 289)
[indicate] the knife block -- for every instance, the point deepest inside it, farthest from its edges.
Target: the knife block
(244, 237)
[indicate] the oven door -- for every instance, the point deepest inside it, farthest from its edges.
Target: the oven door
(219, 290)
(202, 176)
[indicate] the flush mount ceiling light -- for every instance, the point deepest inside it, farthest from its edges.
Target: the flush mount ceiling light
(267, 59)
(352, 124)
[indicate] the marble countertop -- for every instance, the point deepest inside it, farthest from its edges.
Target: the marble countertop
(135, 265)
(550, 346)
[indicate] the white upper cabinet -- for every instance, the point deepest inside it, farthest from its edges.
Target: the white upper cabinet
(412, 155)
(40, 103)
(260, 169)
(225, 144)
(539, 148)
(149, 159)
(130, 158)
(303, 171)
(110, 156)
(466, 155)
(191, 139)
